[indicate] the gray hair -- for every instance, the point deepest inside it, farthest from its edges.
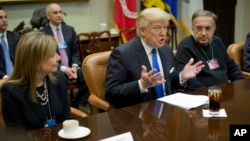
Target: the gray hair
(149, 15)
(199, 13)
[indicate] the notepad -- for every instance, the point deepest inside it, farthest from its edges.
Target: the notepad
(185, 101)
(121, 137)
(222, 113)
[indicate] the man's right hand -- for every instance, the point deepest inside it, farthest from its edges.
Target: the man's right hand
(151, 78)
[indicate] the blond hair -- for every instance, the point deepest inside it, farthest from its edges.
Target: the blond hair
(32, 49)
(149, 15)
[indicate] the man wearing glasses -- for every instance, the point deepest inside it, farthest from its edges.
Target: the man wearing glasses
(204, 46)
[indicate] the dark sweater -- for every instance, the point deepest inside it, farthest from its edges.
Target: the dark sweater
(227, 70)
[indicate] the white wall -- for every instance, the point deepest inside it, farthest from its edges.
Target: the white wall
(86, 15)
(242, 20)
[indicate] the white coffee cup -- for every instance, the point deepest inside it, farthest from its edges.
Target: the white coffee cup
(70, 126)
(113, 31)
(103, 26)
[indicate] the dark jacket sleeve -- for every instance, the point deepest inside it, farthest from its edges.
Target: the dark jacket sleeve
(246, 54)
(11, 109)
(122, 87)
(184, 53)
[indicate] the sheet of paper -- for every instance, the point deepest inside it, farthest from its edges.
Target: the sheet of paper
(222, 113)
(185, 101)
(121, 137)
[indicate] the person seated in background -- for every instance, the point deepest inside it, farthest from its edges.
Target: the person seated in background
(246, 54)
(68, 50)
(8, 42)
(143, 68)
(35, 94)
(204, 46)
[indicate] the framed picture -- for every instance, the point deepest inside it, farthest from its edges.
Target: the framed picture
(33, 1)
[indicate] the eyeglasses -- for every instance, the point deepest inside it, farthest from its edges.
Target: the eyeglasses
(200, 28)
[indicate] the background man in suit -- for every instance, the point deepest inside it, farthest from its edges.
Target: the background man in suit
(246, 54)
(204, 46)
(8, 43)
(68, 50)
(128, 80)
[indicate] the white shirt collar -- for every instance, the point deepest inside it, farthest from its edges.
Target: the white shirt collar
(147, 48)
(53, 27)
(5, 34)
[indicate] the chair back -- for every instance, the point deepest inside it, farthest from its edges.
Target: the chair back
(235, 51)
(94, 67)
(92, 42)
(127, 32)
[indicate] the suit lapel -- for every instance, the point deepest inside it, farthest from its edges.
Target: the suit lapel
(143, 59)
(1, 52)
(64, 33)
(164, 60)
(11, 44)
(48, 30)
(166, 66)
(141, 55)
(65, 37)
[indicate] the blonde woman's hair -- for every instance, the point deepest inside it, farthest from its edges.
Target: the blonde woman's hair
(32, 49)
(149, 15)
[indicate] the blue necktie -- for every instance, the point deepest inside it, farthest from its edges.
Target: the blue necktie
(8, 62)
(158, 88)
(158, 109)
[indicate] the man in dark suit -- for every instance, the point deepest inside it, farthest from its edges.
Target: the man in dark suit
(68, 50)
(143, 68)
(10, 39)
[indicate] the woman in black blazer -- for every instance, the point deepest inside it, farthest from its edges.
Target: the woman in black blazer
(35, 94)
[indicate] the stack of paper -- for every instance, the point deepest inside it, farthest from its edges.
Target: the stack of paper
(185, 101)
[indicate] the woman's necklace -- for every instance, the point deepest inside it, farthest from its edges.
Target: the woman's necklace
(44, 97)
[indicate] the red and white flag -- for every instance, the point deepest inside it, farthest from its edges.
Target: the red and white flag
(125, 16)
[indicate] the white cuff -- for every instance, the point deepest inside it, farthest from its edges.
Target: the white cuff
(63, 68)
(142, 90)
(182, 82)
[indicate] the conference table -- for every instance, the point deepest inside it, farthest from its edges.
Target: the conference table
(174, 123)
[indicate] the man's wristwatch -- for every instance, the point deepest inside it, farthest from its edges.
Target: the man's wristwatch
(76, 66)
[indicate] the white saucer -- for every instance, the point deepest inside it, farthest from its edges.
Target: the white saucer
(82, 132)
